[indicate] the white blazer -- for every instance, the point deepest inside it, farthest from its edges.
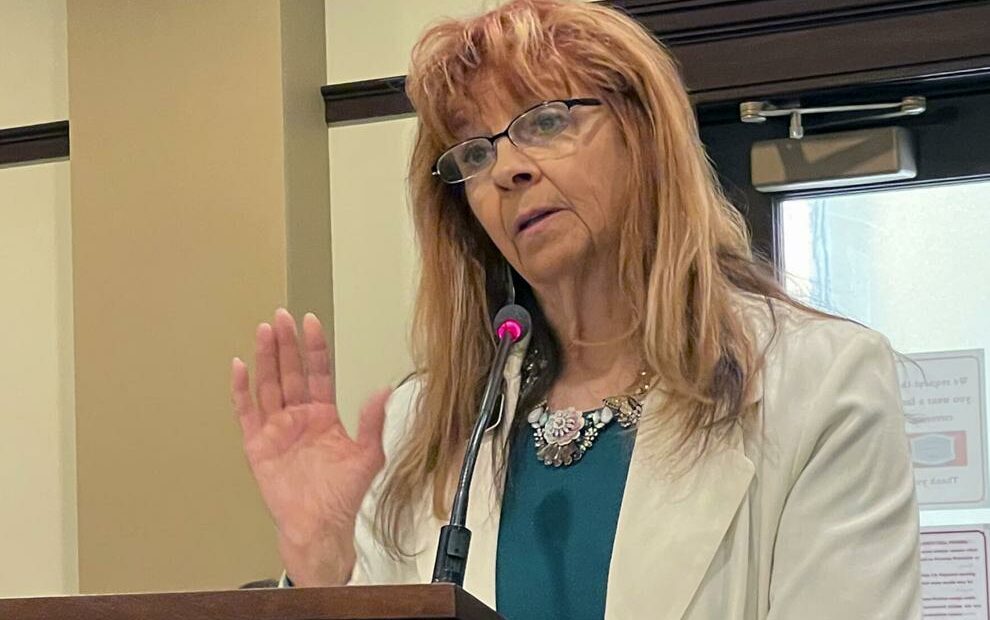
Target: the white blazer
(809, 515)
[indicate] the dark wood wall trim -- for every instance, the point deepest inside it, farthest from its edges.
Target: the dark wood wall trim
(685, 22)
(366, 100)
(837, 53)
(731, 50)
(33, 143)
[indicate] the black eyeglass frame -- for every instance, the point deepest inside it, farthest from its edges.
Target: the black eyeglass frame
(570, 103)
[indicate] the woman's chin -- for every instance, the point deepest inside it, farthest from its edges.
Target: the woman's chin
(551, 265)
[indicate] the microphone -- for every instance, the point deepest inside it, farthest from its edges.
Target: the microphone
(511, 324)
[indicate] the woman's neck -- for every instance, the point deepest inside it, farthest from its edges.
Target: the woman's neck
(592, 320)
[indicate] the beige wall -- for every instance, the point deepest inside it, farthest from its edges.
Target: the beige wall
(372, 38)
(180, 200)
(32, 62)
(37, 453)
(307, 189)
(36, 457)
(374, 255)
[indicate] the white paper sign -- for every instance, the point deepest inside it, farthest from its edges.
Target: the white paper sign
(954, 573)
(943, 398)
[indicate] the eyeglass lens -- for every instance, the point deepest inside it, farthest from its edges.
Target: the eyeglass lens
(542, 127)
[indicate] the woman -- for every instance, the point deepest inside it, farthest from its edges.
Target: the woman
(679, 438)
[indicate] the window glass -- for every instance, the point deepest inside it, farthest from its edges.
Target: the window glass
(914, 264)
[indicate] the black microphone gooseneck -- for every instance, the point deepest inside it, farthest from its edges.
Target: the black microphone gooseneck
(511, 324)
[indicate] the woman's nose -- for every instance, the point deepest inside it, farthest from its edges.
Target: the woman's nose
(513, 168)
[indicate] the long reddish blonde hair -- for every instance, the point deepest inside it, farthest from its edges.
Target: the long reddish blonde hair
(685, 249)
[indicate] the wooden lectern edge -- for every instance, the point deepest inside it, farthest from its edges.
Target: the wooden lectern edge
(403, 602)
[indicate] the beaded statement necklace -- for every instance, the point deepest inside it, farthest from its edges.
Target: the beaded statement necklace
(563, 436)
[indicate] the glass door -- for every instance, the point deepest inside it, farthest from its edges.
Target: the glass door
(914, 264)
(910, 259)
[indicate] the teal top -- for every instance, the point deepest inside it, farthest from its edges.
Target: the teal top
(557, 527)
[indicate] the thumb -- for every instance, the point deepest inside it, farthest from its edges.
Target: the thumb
(373, 420)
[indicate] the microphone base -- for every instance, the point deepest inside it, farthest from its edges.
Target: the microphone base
(452, 552)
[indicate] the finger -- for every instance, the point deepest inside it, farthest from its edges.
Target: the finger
(240, 396)
(268, 388)
(318, 365)
(294, 390)
(373, 420)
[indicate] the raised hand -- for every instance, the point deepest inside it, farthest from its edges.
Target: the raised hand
(312, 475)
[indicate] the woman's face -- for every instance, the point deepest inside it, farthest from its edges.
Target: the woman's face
(552, 215)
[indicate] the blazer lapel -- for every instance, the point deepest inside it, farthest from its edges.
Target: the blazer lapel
(670, 527)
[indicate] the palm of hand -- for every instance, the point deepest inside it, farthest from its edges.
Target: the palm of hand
(312, 475)
(309, 470)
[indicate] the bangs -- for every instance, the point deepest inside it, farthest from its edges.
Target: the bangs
(459, 95)
(511, 58)
(462, 106)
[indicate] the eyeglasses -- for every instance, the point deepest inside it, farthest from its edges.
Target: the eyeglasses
(549, 125)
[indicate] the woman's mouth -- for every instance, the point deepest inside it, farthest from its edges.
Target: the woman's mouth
(535, 218)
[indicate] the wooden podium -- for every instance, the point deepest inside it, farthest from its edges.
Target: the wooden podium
(434, 601)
